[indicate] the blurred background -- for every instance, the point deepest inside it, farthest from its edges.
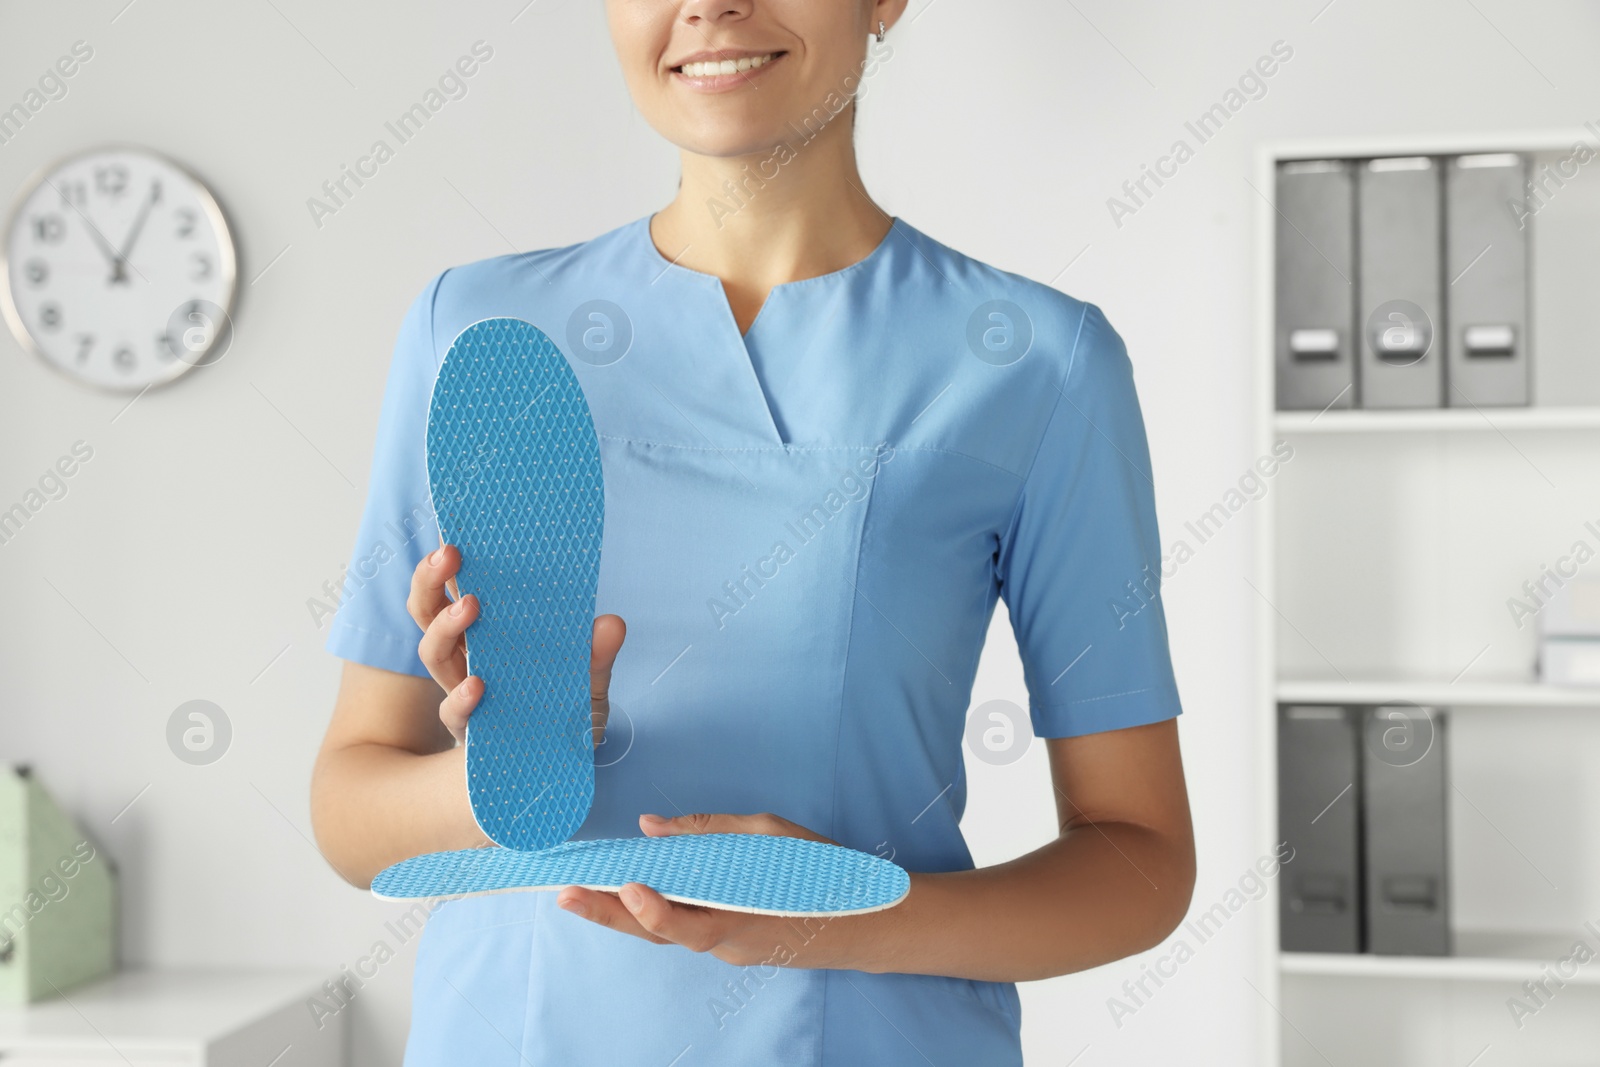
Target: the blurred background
(1376, 581)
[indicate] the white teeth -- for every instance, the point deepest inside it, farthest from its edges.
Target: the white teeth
(711, 68)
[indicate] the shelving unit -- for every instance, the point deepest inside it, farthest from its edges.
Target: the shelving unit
(1481, 956)
(1444, 420)
(1510, 694)
(1387, 550)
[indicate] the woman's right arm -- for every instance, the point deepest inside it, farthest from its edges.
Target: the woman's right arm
(390, 780)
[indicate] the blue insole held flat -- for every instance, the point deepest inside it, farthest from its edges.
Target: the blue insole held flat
(514, 471)
(737, 872)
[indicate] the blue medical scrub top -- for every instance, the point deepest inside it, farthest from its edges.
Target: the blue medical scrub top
(807, 530)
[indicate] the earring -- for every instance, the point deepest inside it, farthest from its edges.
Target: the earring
(880, 31)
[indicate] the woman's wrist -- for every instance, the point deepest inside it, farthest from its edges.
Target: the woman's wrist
(877, 942)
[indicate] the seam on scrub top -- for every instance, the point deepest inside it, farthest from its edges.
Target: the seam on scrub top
(960, 455)
(433, 303)
(365, 654)
(881, 246)
(838, 736)
(380, 635)
(763, 448)
(1108, 696)
(812, 448)
(1061, 392)
(1016, 509)
(435, 358)
(844, 673)
(822, 1027)
(437, 364)
(527, 986)
(707, 278)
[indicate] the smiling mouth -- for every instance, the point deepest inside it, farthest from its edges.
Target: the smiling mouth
(712, 68)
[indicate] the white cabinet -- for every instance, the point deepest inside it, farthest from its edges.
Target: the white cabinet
(197, 1018)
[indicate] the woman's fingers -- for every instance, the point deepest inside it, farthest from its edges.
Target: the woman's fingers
(604, 909)
(443, 621)
(639, 910)
(694, 928)
(427, 597)
(609, 632)
(441, 649)
(457, 706)
(701, 823)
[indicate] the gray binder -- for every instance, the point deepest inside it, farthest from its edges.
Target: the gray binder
(1401, 314)
(1405, 829)
(1316, 265)
(1319, 798)
(1486, 266)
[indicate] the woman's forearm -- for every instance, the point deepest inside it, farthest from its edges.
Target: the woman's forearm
(373, 805)
(1094, 895)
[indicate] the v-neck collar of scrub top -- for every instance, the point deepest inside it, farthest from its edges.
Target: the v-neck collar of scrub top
(746, 348)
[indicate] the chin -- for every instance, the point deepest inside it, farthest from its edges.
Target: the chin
(720, 138)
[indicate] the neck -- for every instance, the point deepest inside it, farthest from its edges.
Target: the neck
(782, 214)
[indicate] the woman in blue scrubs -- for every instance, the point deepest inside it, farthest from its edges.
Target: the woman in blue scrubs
(831, 444)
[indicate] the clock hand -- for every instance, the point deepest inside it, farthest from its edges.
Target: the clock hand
(117, 273)
(99, 239)
(138, 223)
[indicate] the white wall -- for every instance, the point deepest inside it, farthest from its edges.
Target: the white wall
(189, 545)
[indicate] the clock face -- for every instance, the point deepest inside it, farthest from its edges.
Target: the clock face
(119, 269)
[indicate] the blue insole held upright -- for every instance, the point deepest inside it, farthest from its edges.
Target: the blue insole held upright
(514, 470)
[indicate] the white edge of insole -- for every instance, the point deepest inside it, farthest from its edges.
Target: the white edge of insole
(466, 768)
(719, 906)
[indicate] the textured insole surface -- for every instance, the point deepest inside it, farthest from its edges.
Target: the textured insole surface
(514, 471)
(735, 872)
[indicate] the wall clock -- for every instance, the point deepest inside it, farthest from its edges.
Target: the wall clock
(118, 269)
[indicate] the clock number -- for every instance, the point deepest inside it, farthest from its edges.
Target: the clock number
(50, 316)
(155, 190)
(186, 225)
(73, 193)
(37, 271)
(124, 358)
(48, 229)
(111, 179)
(197, 337)
(164, 347)
(202, 267)
(85, 343)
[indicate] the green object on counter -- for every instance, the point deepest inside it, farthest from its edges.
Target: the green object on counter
(57, 897)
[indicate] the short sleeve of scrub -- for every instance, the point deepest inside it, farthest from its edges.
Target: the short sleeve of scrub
(397, 528)
(1080, 567)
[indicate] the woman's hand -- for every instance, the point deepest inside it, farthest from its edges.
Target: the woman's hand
(1117, 879)
(733, 937)
(443, 647)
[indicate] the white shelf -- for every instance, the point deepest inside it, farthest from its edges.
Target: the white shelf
(1438, 420)
(1480, 957)
(1446, 694)
(179, 1018)
(1434, 144)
